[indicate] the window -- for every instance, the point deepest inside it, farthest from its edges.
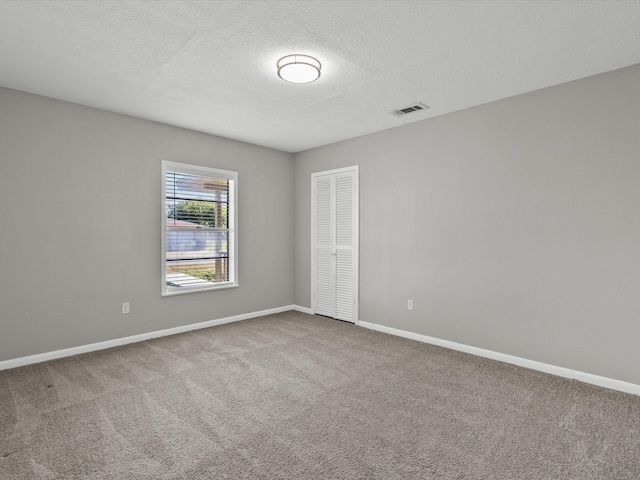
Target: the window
(199, 239)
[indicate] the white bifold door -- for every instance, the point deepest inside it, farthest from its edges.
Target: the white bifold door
(334, 243)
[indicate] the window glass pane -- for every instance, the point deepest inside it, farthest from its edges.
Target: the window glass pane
(197, 273)
(196, 243)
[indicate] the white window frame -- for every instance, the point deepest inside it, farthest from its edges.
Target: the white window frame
(232, 226)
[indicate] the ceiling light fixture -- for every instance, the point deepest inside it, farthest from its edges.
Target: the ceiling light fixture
(299, 69)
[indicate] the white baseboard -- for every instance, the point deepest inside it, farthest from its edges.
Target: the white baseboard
(502, 357)
(298, 308)
(67, 352)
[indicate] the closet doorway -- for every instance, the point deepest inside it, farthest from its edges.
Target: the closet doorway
(334, 243)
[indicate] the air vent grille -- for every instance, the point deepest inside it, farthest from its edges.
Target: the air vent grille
(416, 107)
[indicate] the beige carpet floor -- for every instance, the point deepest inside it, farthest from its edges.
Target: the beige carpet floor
(293, 396)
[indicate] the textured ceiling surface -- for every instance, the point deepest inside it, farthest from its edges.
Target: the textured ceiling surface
(210, 66)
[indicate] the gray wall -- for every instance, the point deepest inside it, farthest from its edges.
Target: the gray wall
(514, 226)
(80, 203)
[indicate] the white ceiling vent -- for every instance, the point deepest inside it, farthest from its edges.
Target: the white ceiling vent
(416, 107)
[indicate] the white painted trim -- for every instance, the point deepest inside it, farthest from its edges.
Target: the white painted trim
(67, 352)
(502, 357)
(298, 308)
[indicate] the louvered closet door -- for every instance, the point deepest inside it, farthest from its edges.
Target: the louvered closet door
(325, 294)
(335, 212)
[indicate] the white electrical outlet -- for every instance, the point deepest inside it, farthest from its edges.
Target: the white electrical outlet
(409, 304)
(125, 308)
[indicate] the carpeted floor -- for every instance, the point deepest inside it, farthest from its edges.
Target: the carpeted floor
(293, 396)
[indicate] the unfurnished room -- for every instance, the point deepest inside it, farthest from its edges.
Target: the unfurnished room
(320, 240)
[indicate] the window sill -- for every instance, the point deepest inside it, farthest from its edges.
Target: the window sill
(185, 290)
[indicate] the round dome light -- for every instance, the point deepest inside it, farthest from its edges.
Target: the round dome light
(299, 69)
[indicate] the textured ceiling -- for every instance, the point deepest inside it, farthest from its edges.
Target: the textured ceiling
(210, 66)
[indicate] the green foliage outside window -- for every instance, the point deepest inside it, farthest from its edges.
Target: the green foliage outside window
(202, 213)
